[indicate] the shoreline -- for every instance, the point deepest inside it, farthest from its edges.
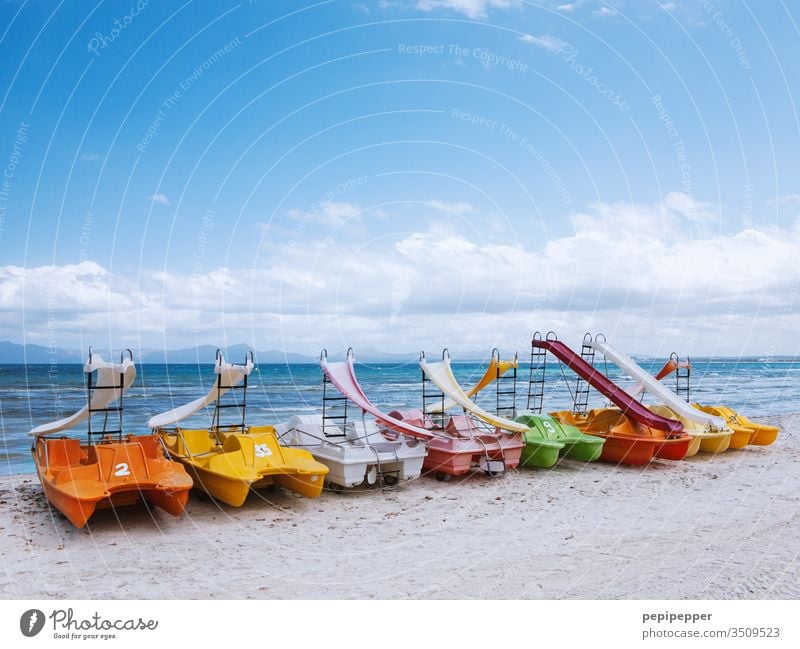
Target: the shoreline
(723, 527)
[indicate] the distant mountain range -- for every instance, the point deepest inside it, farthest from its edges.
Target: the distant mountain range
(11, 353)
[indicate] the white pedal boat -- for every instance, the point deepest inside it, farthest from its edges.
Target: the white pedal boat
(356, 453)
(356, 450)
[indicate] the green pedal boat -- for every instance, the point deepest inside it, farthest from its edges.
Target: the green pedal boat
(568, 441)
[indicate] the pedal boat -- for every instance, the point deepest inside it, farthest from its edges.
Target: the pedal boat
(746, 431)
(539, 449)
(461, 444)
(112, 469)
(227, 462)
(575, 445)
(356, 452)
(627, 441)
(705, 438)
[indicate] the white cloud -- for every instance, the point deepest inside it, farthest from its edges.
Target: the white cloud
(91, 156)
(470, 8)
(547, 42)
(161, 199)
(786, 199)
(330, 213)
(605, 12)
(624, 268)
(570, 6)
(455, 207)
(669, 6)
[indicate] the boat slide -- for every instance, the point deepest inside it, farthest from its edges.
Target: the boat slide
(229, 376)
(494, 371)
(655, 387)
(106, 392)
(673, 364)
(441, 373)
(343, 376)
(628, 404)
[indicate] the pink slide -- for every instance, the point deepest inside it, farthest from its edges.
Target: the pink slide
(600, 382)
(343, 376)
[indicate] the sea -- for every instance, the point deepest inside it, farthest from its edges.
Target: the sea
(31, 395)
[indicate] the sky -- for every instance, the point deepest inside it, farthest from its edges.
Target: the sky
(401, 175)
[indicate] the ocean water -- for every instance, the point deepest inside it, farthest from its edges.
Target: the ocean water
(31, 395)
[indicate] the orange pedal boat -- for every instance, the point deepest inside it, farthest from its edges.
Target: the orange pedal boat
(627, 441)
(113, 468)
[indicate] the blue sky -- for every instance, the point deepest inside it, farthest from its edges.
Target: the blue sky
(400, 174)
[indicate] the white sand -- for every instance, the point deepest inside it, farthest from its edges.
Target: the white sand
(708, 527)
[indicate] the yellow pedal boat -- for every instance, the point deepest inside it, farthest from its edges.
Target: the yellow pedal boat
(227, 461)
(704, 438)
(227, 465)
(745, 431)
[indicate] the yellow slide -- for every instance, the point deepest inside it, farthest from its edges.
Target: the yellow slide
(494, 371)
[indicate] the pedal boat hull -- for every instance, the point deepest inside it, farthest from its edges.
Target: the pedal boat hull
(461, 447)
(627, 442)
(229, 465)
(573, 444)
(79, 479)
(359, 454)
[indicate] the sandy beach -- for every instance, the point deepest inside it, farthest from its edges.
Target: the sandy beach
(709, 527)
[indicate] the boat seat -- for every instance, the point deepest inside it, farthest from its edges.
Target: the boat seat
(196, 441)
(461, 426)
(414, 418)
(110, 457)
(63, 452)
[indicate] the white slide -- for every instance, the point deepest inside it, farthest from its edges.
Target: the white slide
(442, 376)
(230, 375)
(108, 375)
(656, 388)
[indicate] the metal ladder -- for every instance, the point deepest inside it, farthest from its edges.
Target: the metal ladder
(334, 407)
(683, 375)
(505, 395)
(216, 425)
(581, 397)
(430, 394)
(536, 377)
(118, 408)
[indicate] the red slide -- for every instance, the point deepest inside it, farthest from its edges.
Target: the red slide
(343, 376)
(600, 382)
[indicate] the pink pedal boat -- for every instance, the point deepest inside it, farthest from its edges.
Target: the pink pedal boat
(461, 443)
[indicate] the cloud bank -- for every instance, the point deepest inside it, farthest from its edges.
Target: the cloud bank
(657, 277)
